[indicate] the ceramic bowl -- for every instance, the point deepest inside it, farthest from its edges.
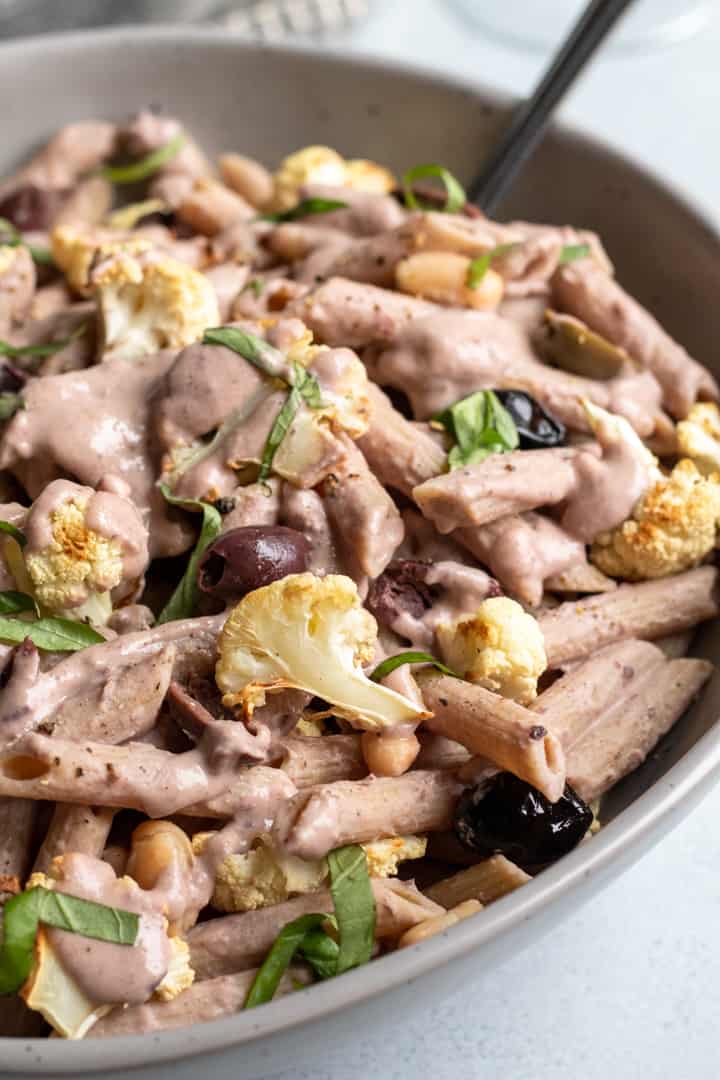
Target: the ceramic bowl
(266, 103)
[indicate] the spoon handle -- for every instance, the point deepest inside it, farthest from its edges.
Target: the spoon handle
(532, 117)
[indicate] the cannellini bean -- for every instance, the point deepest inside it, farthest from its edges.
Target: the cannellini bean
(430, 927)
(157, 846)
(389, 755)
(211, 207)
(248, 177)
(442, 276)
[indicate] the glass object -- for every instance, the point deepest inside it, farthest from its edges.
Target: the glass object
(541, 25)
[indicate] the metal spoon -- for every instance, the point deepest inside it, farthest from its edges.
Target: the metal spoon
(531, 119)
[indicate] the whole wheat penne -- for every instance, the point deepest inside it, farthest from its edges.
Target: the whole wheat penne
(486, 881)
(17, 821)
(675, 645)
(83, 829)
(309, 761)
(495, 728)
(236, 942)
(88, 204)
(627, 733)
(201, 1002)
(583, 577)
(501, 485)
(439, 752)
(353, 811)
(400, 453)
(572, 705)
(135, 776)
(652, 609)
(585, 290)
(343, 312)
(363, 515)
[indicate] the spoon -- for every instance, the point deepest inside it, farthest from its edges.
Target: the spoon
(531, 118)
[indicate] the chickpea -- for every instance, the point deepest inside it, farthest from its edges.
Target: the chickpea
(157, 846)
(430, 927)
(442, 276)
(389, 755)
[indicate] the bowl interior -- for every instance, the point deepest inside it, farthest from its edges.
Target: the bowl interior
(267, 103)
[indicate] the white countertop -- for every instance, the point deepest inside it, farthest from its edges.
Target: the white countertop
(630, 986)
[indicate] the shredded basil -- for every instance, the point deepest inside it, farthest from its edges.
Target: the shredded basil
(12, 237)
(479, 267)
(145, 167)
(256, 286)
(354, 921)
(12, 602)
(51, 634)
(181, 604)
(49, 349)
(290, 939)
(455, 194)
(481, 426)
(354, 905)
(257, 352)
(305, 208)
(25, 912)
(306, 388)
(9, 404)
(12, 530)
(387, 666)
(571, 252)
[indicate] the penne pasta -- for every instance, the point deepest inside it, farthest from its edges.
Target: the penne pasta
(74, 828)
(495, 728)
(17, 824)
(486, 881)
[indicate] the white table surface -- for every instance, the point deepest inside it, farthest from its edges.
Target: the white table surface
(630, 986)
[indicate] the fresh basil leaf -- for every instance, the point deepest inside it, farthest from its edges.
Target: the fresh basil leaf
(12, 530)
(51, 634)
(321, 952)
(257, 352)
(145, 167)
(280, 428)
(571, 252)
(481, 426)
(256, 285)
(12, 237)
(308, 386)
(354, 905)
(25, 912)
(479, 267)
(9, 403)
(286, 944)
(387, 666)
(455, 194)
(181, 604)
(305, 208)
(49, 349)
(12, 602)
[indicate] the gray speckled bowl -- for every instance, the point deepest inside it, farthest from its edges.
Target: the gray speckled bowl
(237, 96)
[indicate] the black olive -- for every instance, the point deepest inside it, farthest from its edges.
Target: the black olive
(506, 816)
(537, 428)
(249, 557)
(11, 379)
(30, 207)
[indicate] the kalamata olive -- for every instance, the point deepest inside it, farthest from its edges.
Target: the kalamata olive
(30, 207)
(249, 557)
(504, 815)
(401, 588)
(537, 428)
(11, 379)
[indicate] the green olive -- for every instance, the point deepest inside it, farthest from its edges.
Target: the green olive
(574, 347)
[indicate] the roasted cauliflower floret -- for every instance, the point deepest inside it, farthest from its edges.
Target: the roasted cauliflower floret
(76, 250)
(322, 165)
(699, 436)
(264, 876)
(500, 647)
(313, 634)
(149, 301)
(55, 994)
(86, 550)
(179, 975)
(673, 527)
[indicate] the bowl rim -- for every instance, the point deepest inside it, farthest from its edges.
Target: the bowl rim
(657, 810)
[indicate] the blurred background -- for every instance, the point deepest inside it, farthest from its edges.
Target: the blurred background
(623, 988)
